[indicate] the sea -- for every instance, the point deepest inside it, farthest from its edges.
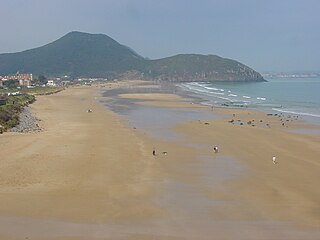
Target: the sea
(296, 96)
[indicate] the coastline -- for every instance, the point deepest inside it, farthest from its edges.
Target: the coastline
(98, 161)
(266, 97)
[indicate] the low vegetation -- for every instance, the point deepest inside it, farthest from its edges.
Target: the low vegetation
(10, 112)
(42, 90)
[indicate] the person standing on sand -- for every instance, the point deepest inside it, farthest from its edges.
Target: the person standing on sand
(215, 149)
(274, 160)
(153, 152)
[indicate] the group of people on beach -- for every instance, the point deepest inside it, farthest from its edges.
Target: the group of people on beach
(215, 150)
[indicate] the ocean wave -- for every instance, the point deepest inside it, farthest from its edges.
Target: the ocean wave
(211, 88)
(233, 95)
(198, 88)
(261, 98)
(225, 98)
(234, 104)
(246, 97)
(269, 105)
(204, 92)
(195, 84)
(297, 113)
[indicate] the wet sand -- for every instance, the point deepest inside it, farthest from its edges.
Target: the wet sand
(93, 176)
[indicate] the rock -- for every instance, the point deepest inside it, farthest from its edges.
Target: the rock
(27, 122)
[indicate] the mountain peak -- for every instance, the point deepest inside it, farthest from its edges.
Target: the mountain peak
(82, 36)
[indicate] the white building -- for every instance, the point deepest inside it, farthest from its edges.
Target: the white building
(51, 83)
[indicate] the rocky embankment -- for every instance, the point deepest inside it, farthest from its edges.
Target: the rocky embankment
(27, 122)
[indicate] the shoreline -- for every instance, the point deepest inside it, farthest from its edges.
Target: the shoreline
(98, 160)
(238, 100)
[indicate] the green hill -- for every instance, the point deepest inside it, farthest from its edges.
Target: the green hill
(76, 54)
(96, 55)
(188, 67)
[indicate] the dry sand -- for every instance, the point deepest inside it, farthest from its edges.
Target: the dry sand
(89, 176)
(83, 167)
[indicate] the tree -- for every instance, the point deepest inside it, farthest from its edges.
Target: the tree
(41, 80)
(11, 83)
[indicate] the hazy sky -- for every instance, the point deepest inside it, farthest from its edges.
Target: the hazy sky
(267, 35)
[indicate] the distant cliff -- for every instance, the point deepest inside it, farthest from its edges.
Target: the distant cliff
(80, 54)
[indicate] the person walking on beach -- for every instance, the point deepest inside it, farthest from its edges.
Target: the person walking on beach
(274, 160)
(154, 152)
(215, 149)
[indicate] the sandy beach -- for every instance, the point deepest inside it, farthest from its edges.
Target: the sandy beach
(91, 175)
